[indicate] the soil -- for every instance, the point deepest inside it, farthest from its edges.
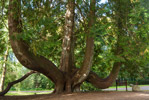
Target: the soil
(84, 96)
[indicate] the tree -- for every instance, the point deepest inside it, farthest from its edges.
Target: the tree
(4, 50)
(4, 70)
(67, 77)
(15, 82)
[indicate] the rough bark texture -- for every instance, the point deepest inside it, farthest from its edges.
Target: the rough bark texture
(4, 70)
(66, 57)
(15, 82)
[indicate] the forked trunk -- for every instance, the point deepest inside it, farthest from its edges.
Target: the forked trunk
(67, 78)
(74, 80)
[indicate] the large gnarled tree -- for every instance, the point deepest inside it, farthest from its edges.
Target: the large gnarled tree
(66, 77)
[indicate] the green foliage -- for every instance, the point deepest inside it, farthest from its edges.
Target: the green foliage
(3, 39)
(3, 26)
(88, 87)
(37, 82)
(2, 44)
(43, 28)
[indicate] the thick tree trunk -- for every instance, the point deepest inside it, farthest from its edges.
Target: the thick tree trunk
(3, 70)
(67, 78)
(67, 60)
(15, 82)
(67, 57)
(21, 49)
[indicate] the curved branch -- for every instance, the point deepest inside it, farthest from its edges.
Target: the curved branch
(105, 83)
(21, 49)
(15, 82)
(83, 72)
(100, 83)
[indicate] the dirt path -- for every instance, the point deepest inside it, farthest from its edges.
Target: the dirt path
(84, 96)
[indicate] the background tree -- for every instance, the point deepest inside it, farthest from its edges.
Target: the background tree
(4, 46)
(4, 70)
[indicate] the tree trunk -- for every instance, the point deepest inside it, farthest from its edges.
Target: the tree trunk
(105, 83)
(67, 78)
(4, 70)
(21, 49)
(15, 82)
(67, 57)
(67, 60)
(84, 71)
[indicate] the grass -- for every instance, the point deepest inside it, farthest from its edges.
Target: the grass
(144, 85)
(125, 86)
(119, 87)
(25, 93)
(19, 93)
(45, 91)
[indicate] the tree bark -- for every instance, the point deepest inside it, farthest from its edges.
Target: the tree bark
(21, 49)
(101, 83)
(67, 78)
(4, 70)
(15, 82)
(67, 57)
(67, 49)
(83, 72)
(105, 83)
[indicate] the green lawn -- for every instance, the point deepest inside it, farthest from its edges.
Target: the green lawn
(125, 86)
(19, 93)
(24, 93)
(119, 86)
(144, 85)
(32, 93)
